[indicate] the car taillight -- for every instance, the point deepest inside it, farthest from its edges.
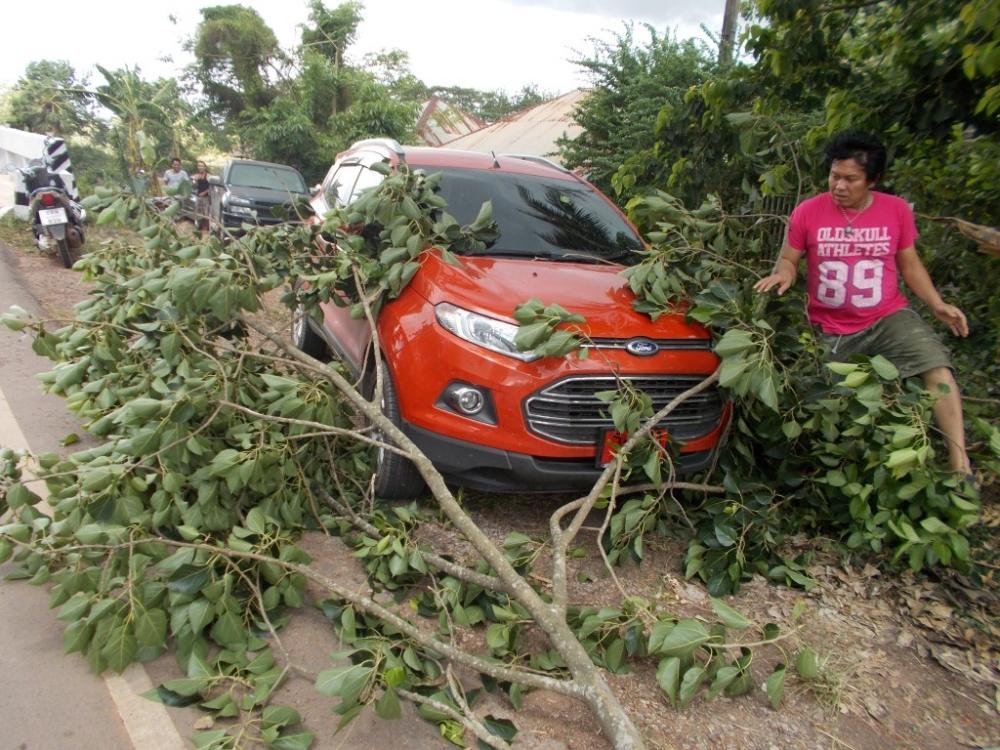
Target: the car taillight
(48, 199)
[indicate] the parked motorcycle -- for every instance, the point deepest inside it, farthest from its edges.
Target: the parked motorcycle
(56, 219)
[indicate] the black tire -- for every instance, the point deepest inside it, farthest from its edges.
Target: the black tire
(306, 339)
(64, 253)
(395, 477)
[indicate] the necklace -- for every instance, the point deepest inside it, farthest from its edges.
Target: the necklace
(849, 229)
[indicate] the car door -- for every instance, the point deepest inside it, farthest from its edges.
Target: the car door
(351, 338)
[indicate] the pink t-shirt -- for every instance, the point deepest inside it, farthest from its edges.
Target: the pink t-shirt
(852, 278)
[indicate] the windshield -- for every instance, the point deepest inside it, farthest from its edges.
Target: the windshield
(540, 217)
(284, 179)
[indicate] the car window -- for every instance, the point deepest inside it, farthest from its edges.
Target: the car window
(541, 217)
(337, 191)
(267, 177)
(366, 179)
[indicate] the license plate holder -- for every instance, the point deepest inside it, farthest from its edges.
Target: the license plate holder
(50, 216)
(610, 440)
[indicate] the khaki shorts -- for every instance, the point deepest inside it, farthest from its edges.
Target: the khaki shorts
(903, 338)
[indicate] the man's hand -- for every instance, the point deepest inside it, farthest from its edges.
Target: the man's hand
(952, 317)
(783, 278)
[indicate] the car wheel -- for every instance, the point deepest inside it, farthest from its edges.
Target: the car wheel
(305, 338)
(396, 478)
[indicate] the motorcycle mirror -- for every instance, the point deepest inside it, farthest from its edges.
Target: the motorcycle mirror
(214, 179)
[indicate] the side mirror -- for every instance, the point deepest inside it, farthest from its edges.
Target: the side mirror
(214, 179)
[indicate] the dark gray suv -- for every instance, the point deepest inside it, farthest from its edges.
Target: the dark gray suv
(248, 191)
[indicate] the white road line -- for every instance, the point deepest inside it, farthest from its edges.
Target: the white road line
(148, 724)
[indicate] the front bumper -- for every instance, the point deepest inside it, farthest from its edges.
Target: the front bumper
(235, 221)
(487, 469)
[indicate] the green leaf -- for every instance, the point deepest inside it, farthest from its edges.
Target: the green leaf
(120, 648)
(854, 379)
(723, 679)
(690, 683)
(502, 728)
(151, 627)
(791, 429)
(299, 741)
(901, 457)
(805, 664)
(733, 342)
(935, 526)
(841, 368)
(729, 616)
(387, 706)
(280, 716)
(681, 640)
(732, 370)
(229, 631)
(332, 681)
(884, 368)
(531, 335)
(668, 675)
(215, 738)
(776, 686)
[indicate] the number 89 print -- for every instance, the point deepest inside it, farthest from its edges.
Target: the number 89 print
(863, 290)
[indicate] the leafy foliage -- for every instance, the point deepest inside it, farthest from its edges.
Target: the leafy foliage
(158, 366)
(842, 447)
(234, 52)
(48, 98)
(631, 85)
(711, 179)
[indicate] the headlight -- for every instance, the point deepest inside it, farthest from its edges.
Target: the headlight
(489, 333)
(229, 200)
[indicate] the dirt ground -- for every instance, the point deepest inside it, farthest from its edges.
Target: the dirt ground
(905, 661)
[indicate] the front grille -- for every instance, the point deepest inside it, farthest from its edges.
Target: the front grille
(264, 211)
(569, 412)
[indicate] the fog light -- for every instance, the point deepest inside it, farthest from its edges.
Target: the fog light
(468, 400)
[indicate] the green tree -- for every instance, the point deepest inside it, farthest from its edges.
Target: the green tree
(49, 98)
(150, 123)
(236, 57)
(332, 31)
(632, 83)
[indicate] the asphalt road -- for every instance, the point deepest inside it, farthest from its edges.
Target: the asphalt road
(49, 701)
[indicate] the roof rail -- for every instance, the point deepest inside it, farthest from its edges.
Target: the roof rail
(390, 143)
(538, 160)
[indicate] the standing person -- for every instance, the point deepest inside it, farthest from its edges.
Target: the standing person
(174, 177)
(857, 242)
(202, 199)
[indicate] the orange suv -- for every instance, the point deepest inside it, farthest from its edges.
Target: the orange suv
(488, 416)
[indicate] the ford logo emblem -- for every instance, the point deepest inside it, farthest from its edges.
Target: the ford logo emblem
(642, 347)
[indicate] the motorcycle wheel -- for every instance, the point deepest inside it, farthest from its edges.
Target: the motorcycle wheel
(64, 253)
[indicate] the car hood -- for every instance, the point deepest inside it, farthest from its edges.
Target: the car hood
(598, 292)
(264, 195)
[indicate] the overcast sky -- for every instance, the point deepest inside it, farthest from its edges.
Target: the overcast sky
(485, 44)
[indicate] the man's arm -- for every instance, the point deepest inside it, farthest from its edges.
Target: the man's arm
(912, 269)
(786, 269)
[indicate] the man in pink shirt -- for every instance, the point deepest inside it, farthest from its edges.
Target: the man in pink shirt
(857, 242)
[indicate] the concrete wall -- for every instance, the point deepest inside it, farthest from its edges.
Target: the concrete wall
(17, 148)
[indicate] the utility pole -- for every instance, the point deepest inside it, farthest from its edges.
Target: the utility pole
(728, 39)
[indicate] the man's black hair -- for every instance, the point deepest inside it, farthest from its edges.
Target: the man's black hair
(865, 148)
